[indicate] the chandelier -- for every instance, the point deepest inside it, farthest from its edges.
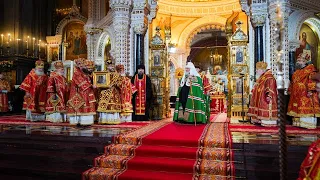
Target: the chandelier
(216, 57)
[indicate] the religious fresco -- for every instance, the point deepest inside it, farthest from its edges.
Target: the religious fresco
(76, 39)
(309, 43)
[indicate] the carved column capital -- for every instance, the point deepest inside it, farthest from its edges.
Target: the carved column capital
(258, 13)
(258, 20)
(140, 12)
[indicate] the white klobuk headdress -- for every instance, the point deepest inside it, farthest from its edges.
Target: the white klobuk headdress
(193, 72)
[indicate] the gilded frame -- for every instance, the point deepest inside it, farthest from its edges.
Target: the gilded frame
(101, 79)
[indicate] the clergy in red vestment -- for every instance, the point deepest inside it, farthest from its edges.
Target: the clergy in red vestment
(141, 100)
(35, 86)
(57, 90)
(109, 106)
(127, 90)
(81, 106)
(310, 167)
(4, 89)
(263, 104)
(304, 102)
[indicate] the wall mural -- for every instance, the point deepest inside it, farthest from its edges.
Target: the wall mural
(76, 39)
(309, 43)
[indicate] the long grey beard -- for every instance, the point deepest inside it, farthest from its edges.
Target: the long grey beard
(60, 73)
(39, 73)
(299, 66)
(258, 76)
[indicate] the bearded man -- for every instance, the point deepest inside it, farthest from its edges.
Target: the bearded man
(190, 103)
(141, 100)
(109, 106)
(127, 90)
(82, 102)
(304, 102)
(35, 86)
(4, 89)
(57, 91)
(263, 104)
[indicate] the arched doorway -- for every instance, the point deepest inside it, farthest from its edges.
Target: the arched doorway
(209, 51)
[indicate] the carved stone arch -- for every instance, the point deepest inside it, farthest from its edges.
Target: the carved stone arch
(207, 22)
(69, 19)
(296, 19)
(102, 41)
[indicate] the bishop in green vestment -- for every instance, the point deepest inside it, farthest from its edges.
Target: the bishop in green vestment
(190, 103)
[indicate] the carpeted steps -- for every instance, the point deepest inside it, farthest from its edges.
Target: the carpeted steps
(176, 151)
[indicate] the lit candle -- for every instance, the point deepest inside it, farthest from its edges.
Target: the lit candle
(9, 39)
(33, 39)
(1, 40)
(39, 45)
(28, 42)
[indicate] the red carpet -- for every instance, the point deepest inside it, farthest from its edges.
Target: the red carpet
(21, 120)
(273, 130)
(168, 151)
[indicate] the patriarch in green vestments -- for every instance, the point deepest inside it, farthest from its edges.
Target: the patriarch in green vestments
(190, 103)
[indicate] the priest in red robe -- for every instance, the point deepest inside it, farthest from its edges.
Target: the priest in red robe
(35, 86)
(82, 102)
(4, 89)
(310, 167)
(126, 93)
(142, 99)
(57, 90)
(263, 104)
(304, 103)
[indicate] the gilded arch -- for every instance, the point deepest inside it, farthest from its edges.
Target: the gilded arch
(207, 22)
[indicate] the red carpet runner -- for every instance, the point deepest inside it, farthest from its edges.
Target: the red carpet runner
(167, 150)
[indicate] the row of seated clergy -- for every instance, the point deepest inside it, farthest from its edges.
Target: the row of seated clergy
(54, 99)
(303, 105)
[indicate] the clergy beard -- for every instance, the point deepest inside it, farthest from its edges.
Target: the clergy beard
(187, 74)
(39, 73)
(300, 66)
(140, 76)
(258, 75)
(123, 74)
(60, 73)
(86, 71)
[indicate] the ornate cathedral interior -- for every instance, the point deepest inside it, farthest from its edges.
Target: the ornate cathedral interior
(160, 89)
